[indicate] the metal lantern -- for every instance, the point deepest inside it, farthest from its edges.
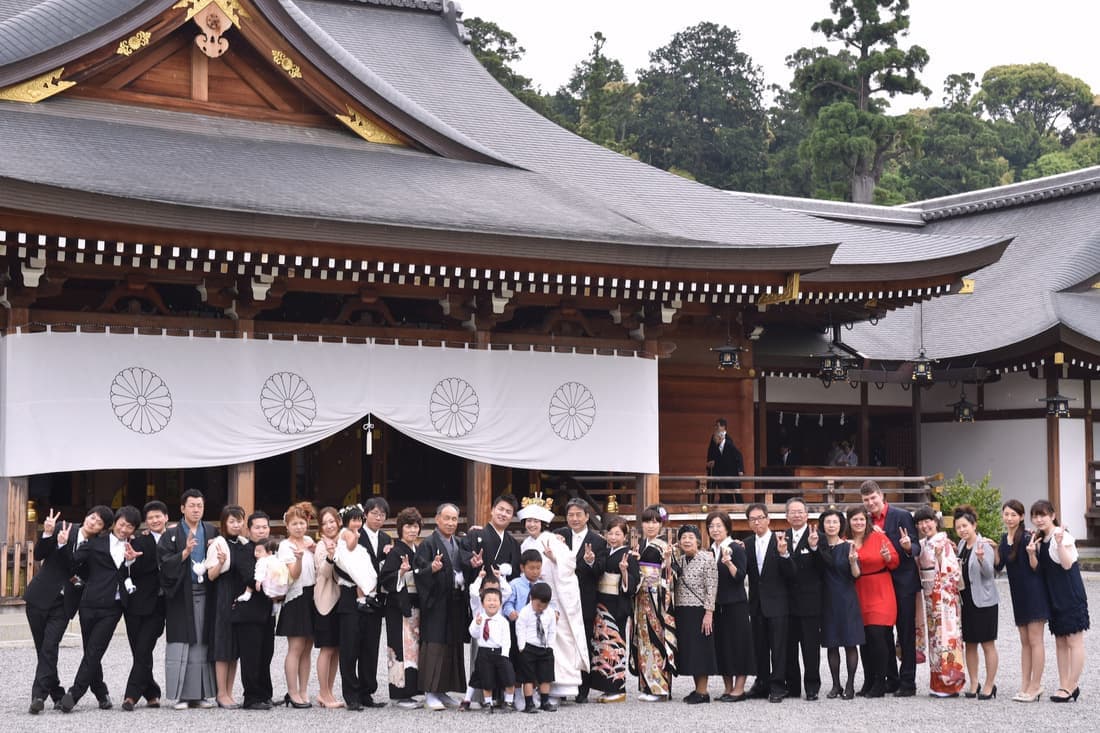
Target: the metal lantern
(729, 356)
(1057, 405)
(964, 409)
(834, 366)
(922, 369)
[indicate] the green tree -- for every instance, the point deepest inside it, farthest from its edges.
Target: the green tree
(1036, 96)
(960, 152)
(787, 174)
(603, 99)
(985, 499)
(701, 109)
(851, 132)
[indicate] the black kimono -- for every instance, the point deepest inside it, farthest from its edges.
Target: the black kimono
(445, 615)
(614, 605)
(402, 622)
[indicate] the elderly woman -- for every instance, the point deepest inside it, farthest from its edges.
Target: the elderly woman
(403, 610)
(695, 591)
(653, 644)
(977, 557)
(939, 575)
(841, 619)
(326, 620)
(1052, 549)
(296, 618)
(1030, 607)
(732, 627)
(873, 558)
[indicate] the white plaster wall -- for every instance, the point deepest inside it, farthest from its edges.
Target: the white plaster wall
(1013, 452)
(1071, 445)
(811, 392)
(1015, 391)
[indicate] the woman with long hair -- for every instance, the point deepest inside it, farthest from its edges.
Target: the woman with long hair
(841, 619)
(653, 645)
(296, 618)
(874, 558)
(614, 602)
(732, 627)
(1052, 549)
(225, 590)
(940, 576)
(979, 601)
(1030, 607)
(326, 594)
(403, 610)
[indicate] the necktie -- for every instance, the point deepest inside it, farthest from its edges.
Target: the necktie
(539, 630)
(485, 631)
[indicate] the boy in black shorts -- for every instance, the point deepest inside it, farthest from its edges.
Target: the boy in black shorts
(535, 629)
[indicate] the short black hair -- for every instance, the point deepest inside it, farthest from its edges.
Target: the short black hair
(105, 513)
(270, 544)
(756, 505)
(258, 515)
(508, 499)
(156, 505)
(721, 421)
(130, 515)
(376, 502)
(541, 592)
(925, 512)
(653, 513)
(530, 556)
(581, 504)
(491, 592)
(191, 494)
(353, 512)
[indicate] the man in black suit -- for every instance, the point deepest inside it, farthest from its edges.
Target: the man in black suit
(771, 570)
(259, 530)
(249, 619)
(144, 611)
(591, 550)
(494, 546)
(723, 459)
(804, 624)
(105, 560)
(52, 599)
(899, 526)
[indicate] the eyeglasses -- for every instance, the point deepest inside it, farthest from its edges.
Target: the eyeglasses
(758, 518)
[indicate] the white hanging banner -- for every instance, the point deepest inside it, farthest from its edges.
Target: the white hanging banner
(77, 401)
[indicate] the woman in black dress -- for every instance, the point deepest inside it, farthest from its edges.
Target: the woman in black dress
(979, 601)
(225, 590)
(1053, 550)
(296, 618)
(614, 604)
(732, 627)
(403, 609)
(841, 619)
(1030, 608)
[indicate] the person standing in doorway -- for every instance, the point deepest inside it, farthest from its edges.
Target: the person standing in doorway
(723, 459)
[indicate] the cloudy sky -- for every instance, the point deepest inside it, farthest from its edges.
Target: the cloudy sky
(959, 35)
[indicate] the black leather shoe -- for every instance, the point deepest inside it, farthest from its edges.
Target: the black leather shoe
(370, 703)
(37, 706)
(757, 692)
(259, 705)
(128, 705)
(581, 699)
(776, 698)
(67, 703)
(353, 707)
(105, 703)
(811, 696)
(906, 692)
(892, 687)
(530, 709)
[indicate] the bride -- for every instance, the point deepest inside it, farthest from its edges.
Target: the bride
(559, 571)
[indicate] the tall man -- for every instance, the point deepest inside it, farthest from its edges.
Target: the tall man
(444, 610)
(104, 561)
(189, 606)
(771, 569)
(591, 551)
(52, 599)
(144, 612)
(723, 459)
(494, 546)
(804, 624)
(259, 529)
(899, 527)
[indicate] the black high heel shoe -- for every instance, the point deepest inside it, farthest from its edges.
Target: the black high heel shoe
(834, 693)
(1068, 697)
(992, 694)
(969, 694)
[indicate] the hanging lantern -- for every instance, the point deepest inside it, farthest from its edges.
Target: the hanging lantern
(729, 356)
(964, 409)
(922, 369)
(1057, 405)
(834, 366)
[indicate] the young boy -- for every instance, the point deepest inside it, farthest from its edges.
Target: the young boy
(530, 563)
(491, 632)
(483, 583)
(535, 628)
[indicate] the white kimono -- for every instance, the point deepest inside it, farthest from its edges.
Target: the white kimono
(357, 564)
(571, 641)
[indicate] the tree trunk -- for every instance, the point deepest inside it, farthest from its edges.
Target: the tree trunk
(863, 188)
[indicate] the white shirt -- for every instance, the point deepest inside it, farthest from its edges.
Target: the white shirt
(796, 536)
(500, 633)
(527, 631)
(118, 550)
(372, 537)
(762, 549)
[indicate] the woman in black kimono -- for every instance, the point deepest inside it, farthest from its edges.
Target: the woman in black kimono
(403, 610)
(614, 605)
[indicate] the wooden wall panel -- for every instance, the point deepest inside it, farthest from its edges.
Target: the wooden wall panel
(169, 78)
(689, 406)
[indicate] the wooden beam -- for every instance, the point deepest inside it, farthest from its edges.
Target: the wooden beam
(479, 492)
(762, 421)
(1090, 448)
(865, 423)
(13, 498)
(649, 491)
(918, 467)
(200, 75)
(242, 486)
(1054, 463)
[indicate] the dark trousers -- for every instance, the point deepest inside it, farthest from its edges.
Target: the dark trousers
(250, 643)
(769, 638)
(267, 651)
(47, 629)
(142, 632)
(360, 637)
(906, 677)
(495, 670)
(589, 617)
(804, 631)
(878, 657)
(97, 626)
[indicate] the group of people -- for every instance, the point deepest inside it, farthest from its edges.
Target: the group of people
(563, 614)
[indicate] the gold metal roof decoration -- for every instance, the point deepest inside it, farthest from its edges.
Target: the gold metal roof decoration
(286, 64)
(232, 9)
(791, 292)
(135, 42)
(367, 129)
(36, 89)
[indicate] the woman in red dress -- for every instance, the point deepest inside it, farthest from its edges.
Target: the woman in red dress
(875, 588)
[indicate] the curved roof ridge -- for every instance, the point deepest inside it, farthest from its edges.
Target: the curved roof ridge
(1013, 194)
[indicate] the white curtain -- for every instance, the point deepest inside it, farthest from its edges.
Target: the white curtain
(75, 401)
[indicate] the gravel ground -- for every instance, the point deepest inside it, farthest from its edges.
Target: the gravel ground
(17, 664)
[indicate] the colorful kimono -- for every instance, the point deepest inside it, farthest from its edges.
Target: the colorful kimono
(613, 608)
(653, 647)
(940, 573)
(402, 623)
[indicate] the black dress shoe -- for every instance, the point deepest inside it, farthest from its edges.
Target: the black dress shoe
(581, 699)
(906, 692)
(370, 703)
(105, 703)
(37, 706)
(892, 687)
(834, 693)
(778, 697)
(67, 703)
(353, 707)
(128, 705)
(811, 696)
(757, 692)
(258, 705)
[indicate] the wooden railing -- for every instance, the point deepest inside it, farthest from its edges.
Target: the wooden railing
(1092, 511)
(16, 570)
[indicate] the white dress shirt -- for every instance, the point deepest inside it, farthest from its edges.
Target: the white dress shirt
(500, 633)
(762, 549)
(527, 630)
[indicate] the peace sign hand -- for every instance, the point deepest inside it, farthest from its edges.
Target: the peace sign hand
(813, 536)
(980, 549)
(128, 552)
(477, 559)
(906, 542)
(51, 522)
(404, 564)
(589, 555)
(1033, 546)
(885, 551)
(624, 564)
(63, 535)
(781, 543)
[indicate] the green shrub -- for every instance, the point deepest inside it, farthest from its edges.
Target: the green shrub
(983, 497)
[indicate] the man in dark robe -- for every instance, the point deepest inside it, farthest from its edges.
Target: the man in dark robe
(444, 610)
(493, 546)
(723, 459)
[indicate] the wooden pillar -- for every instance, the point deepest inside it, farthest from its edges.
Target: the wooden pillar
(1054, 461)
(1090, 449)
(649, 491)
(479, 492)
(917, 462)
(864, 423)
(242, 486)
(762, 421)
(13, 497)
